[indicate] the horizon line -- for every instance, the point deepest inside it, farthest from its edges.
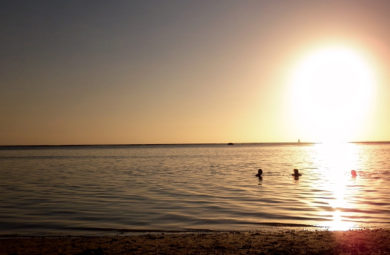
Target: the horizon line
(173, 144)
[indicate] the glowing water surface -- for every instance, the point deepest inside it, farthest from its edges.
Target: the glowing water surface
(111, 189)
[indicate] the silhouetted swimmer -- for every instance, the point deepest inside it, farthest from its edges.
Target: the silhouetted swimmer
(296, 173)
(259, 173)
(353, 173)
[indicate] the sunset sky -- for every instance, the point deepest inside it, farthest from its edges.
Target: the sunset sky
(120, 72)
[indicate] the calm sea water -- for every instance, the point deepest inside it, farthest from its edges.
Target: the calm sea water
(81, 190)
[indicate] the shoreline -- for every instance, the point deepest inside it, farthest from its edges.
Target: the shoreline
(367, 241)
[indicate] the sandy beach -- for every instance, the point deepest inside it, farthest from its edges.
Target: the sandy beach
(259, 242)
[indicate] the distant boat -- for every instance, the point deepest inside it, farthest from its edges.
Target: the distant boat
(230, 144)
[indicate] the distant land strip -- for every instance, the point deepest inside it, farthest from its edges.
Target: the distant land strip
(171, 144)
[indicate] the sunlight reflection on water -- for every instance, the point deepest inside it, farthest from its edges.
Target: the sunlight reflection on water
(335, 163)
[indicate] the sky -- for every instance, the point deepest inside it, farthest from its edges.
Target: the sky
(141, 72)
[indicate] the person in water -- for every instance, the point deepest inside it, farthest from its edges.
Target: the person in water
(259, 173)
(296, 173)
(353, 173)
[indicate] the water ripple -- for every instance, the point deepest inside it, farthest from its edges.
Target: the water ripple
(103, 189)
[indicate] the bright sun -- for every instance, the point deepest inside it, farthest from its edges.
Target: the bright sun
(331, 91)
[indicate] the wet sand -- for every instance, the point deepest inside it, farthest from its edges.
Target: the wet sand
(259, 242)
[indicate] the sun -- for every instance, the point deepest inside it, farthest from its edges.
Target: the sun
(331, 91)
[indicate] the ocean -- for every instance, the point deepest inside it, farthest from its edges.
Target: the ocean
(77, 190)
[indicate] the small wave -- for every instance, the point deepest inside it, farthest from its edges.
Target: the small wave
(277, 224)
(136, 230)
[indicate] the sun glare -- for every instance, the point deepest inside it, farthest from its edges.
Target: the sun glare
(331, 92)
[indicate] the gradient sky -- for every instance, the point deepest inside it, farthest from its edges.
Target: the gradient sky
(97, 72)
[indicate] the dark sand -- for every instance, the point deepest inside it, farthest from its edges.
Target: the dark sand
(260, 242)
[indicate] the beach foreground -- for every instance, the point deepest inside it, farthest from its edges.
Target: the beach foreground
(259, 242)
